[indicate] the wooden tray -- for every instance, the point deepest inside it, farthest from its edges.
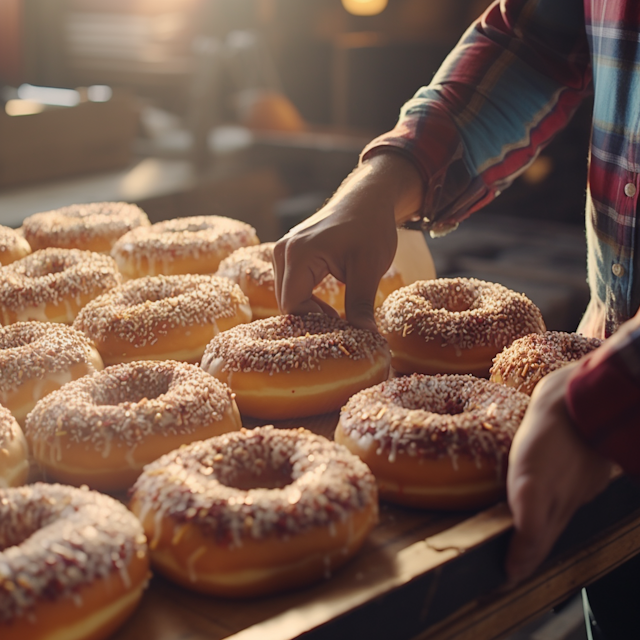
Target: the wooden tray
(420, 573)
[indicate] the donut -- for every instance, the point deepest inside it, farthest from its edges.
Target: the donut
(91, 227)
(13, 246)
(437, 442)
(294, 366)
(102, 429)
(52, 285)
(162, 317)
(252, 269)
(73, 563)
(37, 358)
(255, 512)
(14, 463)
(183, 245)
(528, 359)
(454, 325)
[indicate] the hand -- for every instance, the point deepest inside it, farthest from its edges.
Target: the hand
(353, 237)
(551, 473)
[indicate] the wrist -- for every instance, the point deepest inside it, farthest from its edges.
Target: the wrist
(398, 179)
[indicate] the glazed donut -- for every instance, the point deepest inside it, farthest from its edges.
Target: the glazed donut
(454, 325)
(438, 442)
(294, 366)
(37, 358)
(528, 359)
(91, 227)
(14, 463)
(73, 563)
(255, 512)
(252, 269)
(52, 285)
(182, 245)
(13, 246)
(162, 317)
(102, 429)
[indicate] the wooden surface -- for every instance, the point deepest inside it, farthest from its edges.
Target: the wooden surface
(421, 574)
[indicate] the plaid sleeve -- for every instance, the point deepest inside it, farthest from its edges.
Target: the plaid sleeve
(603, 398)
(514, 80)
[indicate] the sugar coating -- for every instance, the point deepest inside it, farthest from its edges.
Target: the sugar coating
(288, 342)
(32, 350)
(323, 484)
(50, 276)
(55, 539)
(191, 236)
(127, 403)
(528, 359)
(436, 416)
(141, 310)
(79, 224)
(464, 312)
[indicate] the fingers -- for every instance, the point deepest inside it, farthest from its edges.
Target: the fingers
(539, 518)
(294, 288)
(362, 281)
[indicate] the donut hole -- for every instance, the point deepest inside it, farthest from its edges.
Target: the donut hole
(453, 301)
(256, 474)
(142, 385)
(15, 536)
(47, 267)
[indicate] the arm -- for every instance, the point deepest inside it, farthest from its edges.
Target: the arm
(580, 418)
(514, 80)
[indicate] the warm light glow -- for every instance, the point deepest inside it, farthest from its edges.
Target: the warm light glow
(49, 95)
(364, 7)
(22, 107)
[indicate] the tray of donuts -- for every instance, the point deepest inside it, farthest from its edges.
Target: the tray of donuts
(159, 417)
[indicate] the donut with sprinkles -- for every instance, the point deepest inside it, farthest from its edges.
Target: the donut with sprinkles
(528, 359)
(52, 285)
(195, 244)
(73, 563)
(294, 366)
(255, 512)
(454, 325)
(37, 358)
(162, 317)
(439, 442)
(90, 227)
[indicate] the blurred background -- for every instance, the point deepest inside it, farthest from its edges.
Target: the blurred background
(257, 110)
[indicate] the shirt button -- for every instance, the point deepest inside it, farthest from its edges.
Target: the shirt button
(617, 269)
(630, 189)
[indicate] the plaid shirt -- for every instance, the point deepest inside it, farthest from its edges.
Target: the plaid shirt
(513, 81)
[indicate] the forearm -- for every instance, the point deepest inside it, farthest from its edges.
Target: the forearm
(513, 81)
